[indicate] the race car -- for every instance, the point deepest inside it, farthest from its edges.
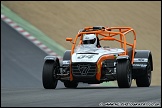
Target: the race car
(89, 62)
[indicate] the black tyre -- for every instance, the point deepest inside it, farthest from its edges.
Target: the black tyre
(70, 84)
(124, 74)
(145, 80)
(49, 74)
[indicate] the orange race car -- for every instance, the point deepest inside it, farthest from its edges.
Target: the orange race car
(91, 63)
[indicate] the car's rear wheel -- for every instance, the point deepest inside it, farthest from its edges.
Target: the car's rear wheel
(70, 84)
(50, 70)
(145, 80)
(124, 74)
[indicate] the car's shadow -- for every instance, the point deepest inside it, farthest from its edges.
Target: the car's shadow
(99, 87)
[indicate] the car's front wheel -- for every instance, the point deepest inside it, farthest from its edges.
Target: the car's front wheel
(50, 70)
(124, 73)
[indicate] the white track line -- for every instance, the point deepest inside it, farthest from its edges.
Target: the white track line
(29, 36)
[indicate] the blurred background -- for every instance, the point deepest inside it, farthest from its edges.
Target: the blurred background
(60, 19)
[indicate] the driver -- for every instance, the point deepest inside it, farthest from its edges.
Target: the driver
(91, 39)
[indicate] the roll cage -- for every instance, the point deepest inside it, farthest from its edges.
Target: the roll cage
(108, 34)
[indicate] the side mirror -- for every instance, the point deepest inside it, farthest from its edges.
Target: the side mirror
(108, 38)
(69, 39)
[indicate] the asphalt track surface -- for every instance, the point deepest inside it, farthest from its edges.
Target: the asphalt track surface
(21, 81)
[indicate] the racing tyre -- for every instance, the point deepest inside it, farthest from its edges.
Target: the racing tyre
(145, 80)
(49, 74)
(124, 74)
(70, 84)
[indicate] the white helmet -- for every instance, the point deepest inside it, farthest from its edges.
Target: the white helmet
(90, 39)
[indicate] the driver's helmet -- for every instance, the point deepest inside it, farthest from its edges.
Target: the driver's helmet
(90, 39)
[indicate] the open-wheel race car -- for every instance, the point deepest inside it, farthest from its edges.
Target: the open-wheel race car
(89, 62)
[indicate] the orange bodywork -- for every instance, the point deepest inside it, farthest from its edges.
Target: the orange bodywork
(99, 65)
(108, 34)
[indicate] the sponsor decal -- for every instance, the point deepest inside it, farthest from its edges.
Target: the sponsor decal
(141, 65)
(140, 59)
(66, 62)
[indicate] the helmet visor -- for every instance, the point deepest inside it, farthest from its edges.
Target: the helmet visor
(92, 41)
